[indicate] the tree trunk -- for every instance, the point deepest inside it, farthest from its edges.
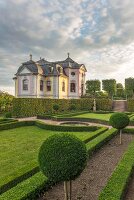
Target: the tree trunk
(65, 190)
(70, 190)
(121, 136)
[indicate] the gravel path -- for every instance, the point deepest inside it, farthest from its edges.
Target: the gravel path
(95, 176)
(130, 190)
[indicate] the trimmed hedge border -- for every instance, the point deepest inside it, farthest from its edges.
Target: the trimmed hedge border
(16, 125)
(117, 184)
(26, 175)
(66, 129)
(99, 121)
(30, 188)
(39, 106)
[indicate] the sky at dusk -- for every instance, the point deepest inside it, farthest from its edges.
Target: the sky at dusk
(97, 33)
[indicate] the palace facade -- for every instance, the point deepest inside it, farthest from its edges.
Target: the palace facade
(44, 79)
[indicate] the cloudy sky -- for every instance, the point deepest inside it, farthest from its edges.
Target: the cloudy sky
(98, 33)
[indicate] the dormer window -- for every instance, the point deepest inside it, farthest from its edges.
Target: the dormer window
(41, 85)
(73, 73)
(25, 84)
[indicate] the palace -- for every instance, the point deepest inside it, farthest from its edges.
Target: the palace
(44, 79)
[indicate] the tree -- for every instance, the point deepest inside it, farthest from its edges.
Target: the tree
(5, 101)
(93, 86)
(129, 87)
(109, 85)
(119, 121)
(119, 90)
(62, 157)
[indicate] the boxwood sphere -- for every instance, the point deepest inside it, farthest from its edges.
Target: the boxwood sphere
(62, 157)
(119, 120)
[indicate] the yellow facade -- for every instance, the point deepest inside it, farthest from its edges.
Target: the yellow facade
(63, 94)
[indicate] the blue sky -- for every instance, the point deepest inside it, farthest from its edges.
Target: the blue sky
(98, 33)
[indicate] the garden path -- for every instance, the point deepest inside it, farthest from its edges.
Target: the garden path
(95, 176)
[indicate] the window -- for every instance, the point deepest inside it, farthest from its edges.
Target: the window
(73, 73)
(48, 85)
(41, 85)
(63, 86)
(72, 87)
(25, 84)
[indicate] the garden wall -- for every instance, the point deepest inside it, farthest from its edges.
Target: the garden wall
(25, 107)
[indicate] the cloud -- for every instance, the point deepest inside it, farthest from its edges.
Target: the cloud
(98, 33)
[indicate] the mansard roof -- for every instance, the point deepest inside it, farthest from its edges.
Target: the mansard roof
(30, 65)
(45, 65)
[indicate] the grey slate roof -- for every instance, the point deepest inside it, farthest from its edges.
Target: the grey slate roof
(46, 65)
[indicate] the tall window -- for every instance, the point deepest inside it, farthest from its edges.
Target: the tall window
(25, 84)
(72, 87)
(41, 85)
(63, 86)
(48, 85)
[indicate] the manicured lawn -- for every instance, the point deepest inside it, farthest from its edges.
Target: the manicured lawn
(19, 150)
(95, 116)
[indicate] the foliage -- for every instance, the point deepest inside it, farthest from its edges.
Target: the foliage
(5, 101)
(119, 120)
(93, 86)
(115, 188)
(109, 85)
(62, 157)
(129, 86)
(26, 107)
(31, 187)
(72, 107)
(55, 107)
(130, 105)
(8, 115)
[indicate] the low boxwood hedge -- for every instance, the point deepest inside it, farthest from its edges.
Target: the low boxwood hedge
(117, 184)
(30, 188)
(17, 124)
(66, 129)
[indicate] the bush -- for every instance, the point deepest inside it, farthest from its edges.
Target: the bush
(119, 120)
(8, 115)
(55, 107)
(72, 107)
(62, 157)
(130, 105)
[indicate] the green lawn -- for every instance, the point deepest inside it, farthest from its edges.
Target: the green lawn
(19, 150)
(95, 116)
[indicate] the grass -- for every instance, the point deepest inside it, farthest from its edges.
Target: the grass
(95, 116)
(19, 150)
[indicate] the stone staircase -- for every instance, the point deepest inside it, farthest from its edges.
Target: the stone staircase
(120, 105)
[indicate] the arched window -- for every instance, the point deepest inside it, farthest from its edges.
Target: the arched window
(48, 85)
(25, 84)
(82, 89)
(72, 87)
(41, 85)
(63, 86)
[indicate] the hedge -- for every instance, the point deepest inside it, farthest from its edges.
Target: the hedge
(26, 107)
(117, 184)
(64, 128)
(28, 174)
(7, 121)
(130, 105)
(17, 124)
(30, 188)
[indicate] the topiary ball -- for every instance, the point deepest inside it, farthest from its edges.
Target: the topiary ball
(119, 120)
(62, 157)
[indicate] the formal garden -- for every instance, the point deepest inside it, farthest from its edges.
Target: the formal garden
(77, 149)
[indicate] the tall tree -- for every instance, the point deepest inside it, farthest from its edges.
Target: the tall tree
(119, 90)
(129, 86)
(93, 86)
(109, 85)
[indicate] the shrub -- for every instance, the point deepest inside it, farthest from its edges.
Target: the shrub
(8, 115)
(55, 107)
(62, 157)
(119, 121)
(72, 107)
